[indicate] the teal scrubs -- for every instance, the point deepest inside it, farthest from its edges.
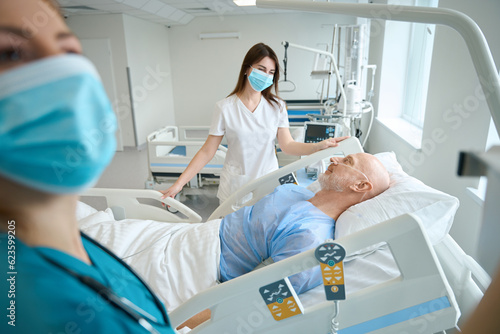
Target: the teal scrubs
(47, 299)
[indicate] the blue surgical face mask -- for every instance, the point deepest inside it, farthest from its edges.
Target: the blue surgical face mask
(56, 125)
(260, 80)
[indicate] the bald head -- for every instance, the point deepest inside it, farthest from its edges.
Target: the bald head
(376, 173)
(360, 172)
(348, 181)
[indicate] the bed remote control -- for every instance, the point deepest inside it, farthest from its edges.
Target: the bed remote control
(288, 178)
(331, 256)
(281, 299)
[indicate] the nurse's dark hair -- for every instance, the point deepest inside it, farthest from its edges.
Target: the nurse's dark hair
(253, 56)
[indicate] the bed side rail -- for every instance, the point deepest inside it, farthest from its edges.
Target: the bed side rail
(266, 184)
(124, 204)
(191, 145)
(419, 301)
(163, 141)
(467, 278)
(196, 132)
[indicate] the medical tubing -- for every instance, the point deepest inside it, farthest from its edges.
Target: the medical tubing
(372, 112)
(371, 92)
(107, 294)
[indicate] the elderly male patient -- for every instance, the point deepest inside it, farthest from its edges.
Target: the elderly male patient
(293, 219)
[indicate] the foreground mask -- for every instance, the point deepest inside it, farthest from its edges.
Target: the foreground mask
(56, 125)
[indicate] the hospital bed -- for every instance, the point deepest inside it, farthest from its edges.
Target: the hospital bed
(170, 149)
(401, 275)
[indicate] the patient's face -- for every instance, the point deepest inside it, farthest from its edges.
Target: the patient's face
(333, 181)
(31, 30)
(342, 172)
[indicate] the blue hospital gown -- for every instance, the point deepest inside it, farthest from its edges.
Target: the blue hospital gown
(280, 225)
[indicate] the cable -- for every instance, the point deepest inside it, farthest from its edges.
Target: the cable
(372, 111)
(285, 67)
(335, 324)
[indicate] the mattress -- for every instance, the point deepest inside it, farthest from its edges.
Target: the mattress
(179, 260)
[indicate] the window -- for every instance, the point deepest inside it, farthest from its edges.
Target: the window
(417, 73)
(406, 64)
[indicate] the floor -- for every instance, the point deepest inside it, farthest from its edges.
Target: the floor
(129, 170)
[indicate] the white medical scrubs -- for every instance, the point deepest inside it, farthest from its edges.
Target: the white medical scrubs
(251, 140)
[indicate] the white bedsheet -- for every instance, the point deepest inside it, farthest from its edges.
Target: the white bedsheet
(180, 260)
(360, 273)
(177, 260)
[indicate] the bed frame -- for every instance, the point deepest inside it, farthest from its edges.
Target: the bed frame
(418, 301)
(415, 302)
(126, 203)
(436, 283)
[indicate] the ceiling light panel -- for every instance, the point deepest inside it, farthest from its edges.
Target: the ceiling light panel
(153, 6)
(166, 11)
(133, 3)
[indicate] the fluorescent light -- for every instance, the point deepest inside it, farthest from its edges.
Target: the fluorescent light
(244, 2)
(215, 35)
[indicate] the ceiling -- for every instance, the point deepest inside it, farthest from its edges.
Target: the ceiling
(167, 12)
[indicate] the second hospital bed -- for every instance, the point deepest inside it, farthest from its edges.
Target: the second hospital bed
(405, 275)
(171, 148)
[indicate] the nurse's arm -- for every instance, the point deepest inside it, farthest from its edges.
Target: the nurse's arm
(201, 158)
(291, 147)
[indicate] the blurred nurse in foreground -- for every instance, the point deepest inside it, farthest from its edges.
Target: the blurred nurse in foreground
(56, 137)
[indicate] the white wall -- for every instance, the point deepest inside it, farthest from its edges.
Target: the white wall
(205, 71)
(456, 117)
(150, 74)
(142, 47)
(110, 27)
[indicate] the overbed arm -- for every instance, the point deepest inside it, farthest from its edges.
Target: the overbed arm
(124, 204)
(266, 184)
(237, 303)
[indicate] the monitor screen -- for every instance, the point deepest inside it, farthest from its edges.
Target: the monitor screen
(318, 132)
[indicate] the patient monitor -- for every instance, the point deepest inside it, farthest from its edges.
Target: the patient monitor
(316, 131)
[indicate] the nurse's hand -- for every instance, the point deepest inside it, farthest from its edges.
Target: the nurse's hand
(172, 191)
(330, 142)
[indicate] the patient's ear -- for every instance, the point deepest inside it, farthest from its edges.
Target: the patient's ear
(362, 186)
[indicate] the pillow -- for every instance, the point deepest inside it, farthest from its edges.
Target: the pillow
(406, 194)
(83, 210)
(96, 218)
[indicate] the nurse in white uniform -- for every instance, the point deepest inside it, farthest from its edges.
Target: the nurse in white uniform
(251, 117)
